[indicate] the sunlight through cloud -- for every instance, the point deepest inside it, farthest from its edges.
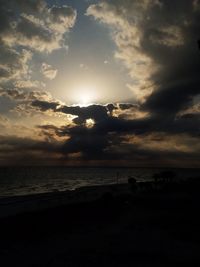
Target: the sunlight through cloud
(84, 95)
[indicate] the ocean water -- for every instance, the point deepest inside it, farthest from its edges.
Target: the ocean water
(33, 180)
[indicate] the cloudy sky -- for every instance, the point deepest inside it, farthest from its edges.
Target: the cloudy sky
(88, 82)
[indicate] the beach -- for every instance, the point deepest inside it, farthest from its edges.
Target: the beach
(151, 227)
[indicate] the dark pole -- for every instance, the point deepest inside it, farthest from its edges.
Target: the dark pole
(199, 44)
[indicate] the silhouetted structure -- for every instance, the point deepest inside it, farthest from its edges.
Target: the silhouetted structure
(164, 177)
(199, 44)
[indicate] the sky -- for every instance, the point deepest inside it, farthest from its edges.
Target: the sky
(100, 83)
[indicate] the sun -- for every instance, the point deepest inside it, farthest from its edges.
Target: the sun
(85, 95)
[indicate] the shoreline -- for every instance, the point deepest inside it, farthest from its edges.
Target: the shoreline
(157, 227)
(14, 205)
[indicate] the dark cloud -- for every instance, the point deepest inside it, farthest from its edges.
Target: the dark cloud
(18, 150)
(157, 42)
(190, 116)
(17, 94)
(31, 30)
(177, 78)
(125, 106)
(45, 105)
(96, 112)
(13, 64)
(104, 122)
(106, 126)
(106, 139)
(30, 6)
(169, 101)
(62, 15)
(92, 147)
(110, 139)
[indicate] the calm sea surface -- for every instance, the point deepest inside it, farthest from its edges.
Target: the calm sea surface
(33, 180)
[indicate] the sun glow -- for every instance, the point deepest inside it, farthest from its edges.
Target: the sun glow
(85, 95)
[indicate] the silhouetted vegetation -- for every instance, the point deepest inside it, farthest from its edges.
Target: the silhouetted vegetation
(164, 177)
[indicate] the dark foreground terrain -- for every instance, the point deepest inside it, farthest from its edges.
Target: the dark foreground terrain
(152, 228)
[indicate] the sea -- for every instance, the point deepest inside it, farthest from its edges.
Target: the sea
(16, 181)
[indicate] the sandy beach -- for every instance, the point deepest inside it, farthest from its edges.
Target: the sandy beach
(144, 228)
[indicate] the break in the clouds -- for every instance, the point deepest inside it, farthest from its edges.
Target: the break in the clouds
(154, 47)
